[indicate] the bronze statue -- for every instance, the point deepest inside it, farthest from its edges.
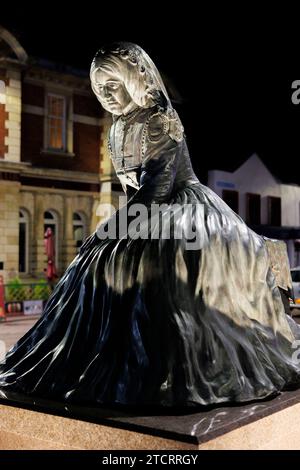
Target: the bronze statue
(156, 320)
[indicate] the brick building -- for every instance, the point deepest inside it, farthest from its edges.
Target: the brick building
(54, 166)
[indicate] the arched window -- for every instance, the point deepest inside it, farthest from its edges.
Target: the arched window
(23, 241)
(51, 221)
(79, 229)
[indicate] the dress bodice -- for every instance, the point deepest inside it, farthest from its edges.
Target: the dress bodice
(139, 139)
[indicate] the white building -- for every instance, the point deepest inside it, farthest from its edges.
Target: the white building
(269, 206)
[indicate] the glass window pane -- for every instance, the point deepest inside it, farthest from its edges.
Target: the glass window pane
(55, 106)
(55, 133)
(295, 276)
(56, 122)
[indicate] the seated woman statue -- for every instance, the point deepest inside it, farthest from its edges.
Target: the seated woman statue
(151, 315)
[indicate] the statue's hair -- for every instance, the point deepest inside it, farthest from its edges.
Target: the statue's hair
(132, 65)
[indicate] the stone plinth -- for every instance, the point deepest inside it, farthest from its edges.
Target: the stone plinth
(264, 425)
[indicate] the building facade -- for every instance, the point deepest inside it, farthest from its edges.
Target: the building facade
(54, 164)
(269, 206)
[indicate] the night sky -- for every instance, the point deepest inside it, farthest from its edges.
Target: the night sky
(235, 101)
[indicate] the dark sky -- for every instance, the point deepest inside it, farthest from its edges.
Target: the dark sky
(236, 88)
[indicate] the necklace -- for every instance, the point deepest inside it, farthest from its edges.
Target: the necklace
(131, 115)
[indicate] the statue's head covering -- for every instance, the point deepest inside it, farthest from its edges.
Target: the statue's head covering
(132, 65)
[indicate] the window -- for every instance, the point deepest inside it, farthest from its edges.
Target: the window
(78, 229)
(23, 241)
(295, 276)
(50, 220)
(274, 211)
(56, 122)
(232, 199)
(297, 252)
(253, 209)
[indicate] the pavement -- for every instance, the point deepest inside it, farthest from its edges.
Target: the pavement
(14, 328)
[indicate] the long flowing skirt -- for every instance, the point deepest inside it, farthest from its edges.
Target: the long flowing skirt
(149, 322)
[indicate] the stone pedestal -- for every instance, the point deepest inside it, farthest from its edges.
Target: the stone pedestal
(264, 425)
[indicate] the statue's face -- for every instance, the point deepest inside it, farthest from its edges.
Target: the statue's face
(111, 92)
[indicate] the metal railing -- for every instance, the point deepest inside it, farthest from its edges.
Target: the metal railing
(20, 292)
